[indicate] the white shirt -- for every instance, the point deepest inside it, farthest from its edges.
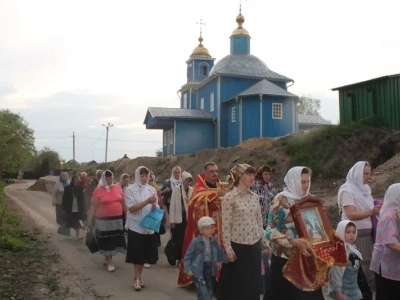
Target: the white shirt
(347, 200)
(135, 194)
(75, 205)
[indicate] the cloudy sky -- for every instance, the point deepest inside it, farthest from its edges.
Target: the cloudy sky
(71, 66)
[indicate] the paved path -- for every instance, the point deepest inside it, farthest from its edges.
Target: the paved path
(160, 279)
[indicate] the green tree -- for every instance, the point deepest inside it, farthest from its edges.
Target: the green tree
(45, 160)
(308, 106)
(159, 152)
(17, 143)
(71, 164)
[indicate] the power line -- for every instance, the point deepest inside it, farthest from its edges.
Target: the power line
(93, 138)
(81, 137)
(66, 147)
(96, 140)
(54, 137)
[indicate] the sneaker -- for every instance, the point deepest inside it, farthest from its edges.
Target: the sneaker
(111, 268)
(147, 265)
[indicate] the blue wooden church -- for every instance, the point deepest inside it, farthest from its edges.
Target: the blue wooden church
(226, 103)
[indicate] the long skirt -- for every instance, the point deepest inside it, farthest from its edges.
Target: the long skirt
(178, 235)
(110, 235)
(366, 247)
(387, 289)
(60, 216)
(279, 288)
(240, 280)
(265, 277)
(142, 248)
(72, 220)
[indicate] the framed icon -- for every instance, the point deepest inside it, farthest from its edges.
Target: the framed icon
(312, 223)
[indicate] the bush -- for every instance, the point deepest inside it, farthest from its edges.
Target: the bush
(320, 148)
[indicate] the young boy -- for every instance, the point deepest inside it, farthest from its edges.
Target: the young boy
(201, 259)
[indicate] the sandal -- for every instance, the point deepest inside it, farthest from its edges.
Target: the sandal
(136, 284)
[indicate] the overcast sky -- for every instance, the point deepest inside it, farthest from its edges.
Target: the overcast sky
(71, 66)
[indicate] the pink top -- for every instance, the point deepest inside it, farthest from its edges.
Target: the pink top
(108, 204)
(388, 232)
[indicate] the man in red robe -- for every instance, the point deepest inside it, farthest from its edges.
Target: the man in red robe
(205, 201)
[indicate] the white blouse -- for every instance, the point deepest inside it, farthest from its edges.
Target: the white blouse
(135, 194)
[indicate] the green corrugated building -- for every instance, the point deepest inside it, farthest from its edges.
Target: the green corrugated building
(379, 97)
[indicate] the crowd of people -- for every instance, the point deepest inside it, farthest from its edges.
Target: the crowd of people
(237, 239)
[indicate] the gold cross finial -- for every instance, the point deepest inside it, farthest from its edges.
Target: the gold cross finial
(201, 23)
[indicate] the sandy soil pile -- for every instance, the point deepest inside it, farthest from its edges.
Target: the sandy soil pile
(38, 186)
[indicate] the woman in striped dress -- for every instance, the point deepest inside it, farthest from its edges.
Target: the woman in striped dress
(108, 208)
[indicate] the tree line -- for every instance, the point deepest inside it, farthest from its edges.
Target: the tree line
(18, 151)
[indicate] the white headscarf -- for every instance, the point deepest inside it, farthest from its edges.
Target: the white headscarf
(142, 191)
(174, 182)
(341, 231)
(392, 199)
(293, 190)
(103, 181)
(355, 186)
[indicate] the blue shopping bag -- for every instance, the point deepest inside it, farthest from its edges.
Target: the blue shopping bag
(153, 220)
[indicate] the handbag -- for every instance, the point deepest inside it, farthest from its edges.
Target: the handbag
(170, 251)
(153, 220)
(63, 230)
(363, 285)
(162, 230)
(91, 241)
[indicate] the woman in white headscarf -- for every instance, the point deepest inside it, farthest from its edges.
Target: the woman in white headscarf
(108, 208)
(357, 205)
(178, 212)
(283, 235)
(57, 194)
(124, 181)
(386, 255)
(170, 184)
(141, 198)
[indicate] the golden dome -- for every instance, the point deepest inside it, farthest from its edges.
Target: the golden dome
(200, 50)
(240, 20)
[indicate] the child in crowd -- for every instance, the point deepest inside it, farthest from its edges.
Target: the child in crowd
(343, 280)
(201, 259)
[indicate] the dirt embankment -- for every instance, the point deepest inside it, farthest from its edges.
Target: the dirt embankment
(330, 151)
(331, 155)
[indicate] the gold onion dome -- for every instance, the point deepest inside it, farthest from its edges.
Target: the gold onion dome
(200, 50)
(240, 20)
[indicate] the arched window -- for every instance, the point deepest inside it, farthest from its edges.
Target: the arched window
(204, 69)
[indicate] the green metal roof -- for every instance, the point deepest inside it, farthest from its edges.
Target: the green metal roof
(366, 81)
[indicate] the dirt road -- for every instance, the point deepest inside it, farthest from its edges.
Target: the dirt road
(160, 279)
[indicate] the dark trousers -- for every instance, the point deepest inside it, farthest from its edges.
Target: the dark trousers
(178, 235)
(387, 289)
(205, 286)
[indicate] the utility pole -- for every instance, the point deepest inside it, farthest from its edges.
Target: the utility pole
(73, 145)
(107, 127)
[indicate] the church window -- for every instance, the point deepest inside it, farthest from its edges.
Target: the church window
(276, 110)
(204, 69)
(212, 102)
(185, 103)
(189, 71)
(202, 103)
(165, 137)
(233, 114)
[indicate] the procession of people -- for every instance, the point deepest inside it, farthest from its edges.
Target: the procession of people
(238, 239)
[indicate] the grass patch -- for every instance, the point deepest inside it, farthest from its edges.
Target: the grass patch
(24, 258)
(320, 149)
